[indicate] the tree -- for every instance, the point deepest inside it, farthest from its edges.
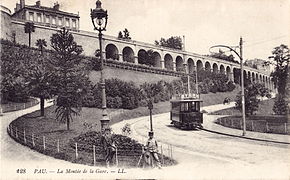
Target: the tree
(126, 34)
(13, 66)
(71, 81)
(39, 82)
(41, 44)
(120, 35)
(281, 60)
(147, 57)
(252, 93)
(174, 42)
(280, 75)
(29, 28)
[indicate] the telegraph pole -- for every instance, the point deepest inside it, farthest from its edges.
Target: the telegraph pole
(186, 66)
(242, 79)
(243, 88)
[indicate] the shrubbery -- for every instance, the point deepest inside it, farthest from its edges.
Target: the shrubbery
(127, 95)
(280, 105)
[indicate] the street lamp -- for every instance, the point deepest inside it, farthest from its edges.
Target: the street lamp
(99, 19)
(150, 107)
(242, 79)
(188, 80)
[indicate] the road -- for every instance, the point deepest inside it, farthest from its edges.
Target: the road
(200, 155)
(211, 155)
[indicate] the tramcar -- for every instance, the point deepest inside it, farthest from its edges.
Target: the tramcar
(185, 113)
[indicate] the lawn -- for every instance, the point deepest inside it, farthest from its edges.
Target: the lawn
(265, 108)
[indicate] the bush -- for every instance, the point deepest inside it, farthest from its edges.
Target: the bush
(230, 86)
(114, 102)
(129, 102)
(280, 105)
(143, 103)
(126, 130)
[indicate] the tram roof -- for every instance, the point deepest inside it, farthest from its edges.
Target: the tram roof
(186, 100)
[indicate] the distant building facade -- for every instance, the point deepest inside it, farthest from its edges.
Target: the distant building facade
(258, 64)
(46, 16)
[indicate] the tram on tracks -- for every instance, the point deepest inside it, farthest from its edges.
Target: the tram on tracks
(185, 112)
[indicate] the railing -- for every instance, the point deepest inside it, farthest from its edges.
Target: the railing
(80, 153)
(18, 106)
(141, 68)
(256, 125)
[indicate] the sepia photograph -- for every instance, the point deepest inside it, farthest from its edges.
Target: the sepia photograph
(145, 89)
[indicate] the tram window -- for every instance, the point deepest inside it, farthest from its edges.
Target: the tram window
(193, 104)
(197, 106)
(175, 106)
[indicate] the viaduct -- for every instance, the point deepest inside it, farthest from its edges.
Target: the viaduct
(129, 51)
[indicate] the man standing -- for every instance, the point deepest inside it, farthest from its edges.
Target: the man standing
(152, 148)
(109, 145)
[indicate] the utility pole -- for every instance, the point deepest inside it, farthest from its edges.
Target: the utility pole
(186, 66)
(196, 80)
(242, 86)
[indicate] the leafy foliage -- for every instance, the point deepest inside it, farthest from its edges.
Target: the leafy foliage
(222, 55)
(280, 105)
(252, 92)
(41, 44)
(281, 58)
(14, 65)
(146, 58)
(125, 36)
(174, 42)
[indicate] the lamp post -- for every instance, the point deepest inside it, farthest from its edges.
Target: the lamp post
(99, 18)
(196, 81)
(188, 78)
(242, 79)
(150, 107)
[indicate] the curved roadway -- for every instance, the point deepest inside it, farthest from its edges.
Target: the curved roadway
(200, 155)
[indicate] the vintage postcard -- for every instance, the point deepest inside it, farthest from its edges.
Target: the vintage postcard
(145, 89)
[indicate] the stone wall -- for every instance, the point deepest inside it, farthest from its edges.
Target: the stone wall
(129, 75)
(6, 32)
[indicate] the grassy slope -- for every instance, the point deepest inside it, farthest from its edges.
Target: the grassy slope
(265, 108)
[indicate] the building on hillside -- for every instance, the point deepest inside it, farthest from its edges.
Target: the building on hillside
(258, 64)
(47, 16)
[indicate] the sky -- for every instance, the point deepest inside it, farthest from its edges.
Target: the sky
(263, 24)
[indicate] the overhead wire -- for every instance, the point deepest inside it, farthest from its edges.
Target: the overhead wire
(256, 43)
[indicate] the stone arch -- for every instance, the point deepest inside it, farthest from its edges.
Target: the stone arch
(263, 77)
(179, 64)
(257, 77)
(228, 72)
(168, 61)
(222, 69)
(128, 54)
(207, 66)
(249, 76)
(245, 76)
(237, 75)
(112, 52)
(215, 68)
(253, 77)
(142, 57)
(199, 65)
(157, 59)
(260, 78)
(190, 65)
